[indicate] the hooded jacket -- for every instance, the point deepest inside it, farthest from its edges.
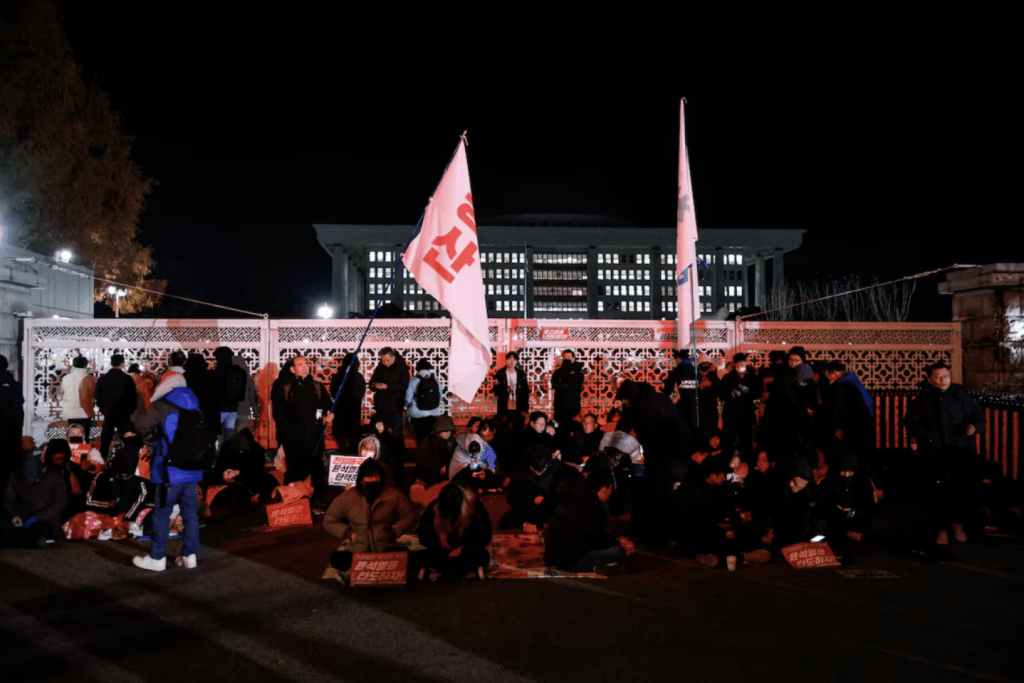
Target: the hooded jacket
(44, 498)
(79, 390)
(462, 458)
(377, 526)
(173, 378)
(410, 398)
(151, 425)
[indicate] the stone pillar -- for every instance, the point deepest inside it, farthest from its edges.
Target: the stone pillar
(777, 276)
(759, 281)
(989, 302)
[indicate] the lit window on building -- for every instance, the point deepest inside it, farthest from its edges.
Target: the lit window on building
(739, 291)
(600, 307)
(647, 307)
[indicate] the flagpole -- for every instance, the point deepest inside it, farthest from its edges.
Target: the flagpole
(693, 343)
(380, 300)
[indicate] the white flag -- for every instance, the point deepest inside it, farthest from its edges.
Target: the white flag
(445, 260)
(687, 299)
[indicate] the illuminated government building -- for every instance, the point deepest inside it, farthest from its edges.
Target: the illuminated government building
(565, 266)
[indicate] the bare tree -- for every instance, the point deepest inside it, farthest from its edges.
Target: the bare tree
(891, 303)
(781, 296)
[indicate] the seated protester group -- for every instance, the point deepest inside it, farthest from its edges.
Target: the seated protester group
(576, 538)
(33, 504)
(116, 492)
(368, 517)
(455, 529)
(473, 464)
(531, 491)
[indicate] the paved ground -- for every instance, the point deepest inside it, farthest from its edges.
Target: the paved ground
(256, 610)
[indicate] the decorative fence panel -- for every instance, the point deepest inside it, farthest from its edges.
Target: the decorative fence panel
(886, 356)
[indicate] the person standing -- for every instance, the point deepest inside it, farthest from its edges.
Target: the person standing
(567, 382)
(249, 406)
(78, 391)
(389, 382)
(160, 424)
(173, 377)
(116, 398)
(348, 412)
(512, 390)
(424, 399)
(306, 407)
(229, 382)
(12, 418)
(144, 386)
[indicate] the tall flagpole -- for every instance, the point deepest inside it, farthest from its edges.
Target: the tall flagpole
(693, 344)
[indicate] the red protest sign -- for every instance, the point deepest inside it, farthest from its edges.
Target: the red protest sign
(554, 334)
(378, 569)
(289, 514)
(80, 452)
(810, 555)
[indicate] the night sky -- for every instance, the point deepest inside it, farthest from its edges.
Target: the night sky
(897, 153)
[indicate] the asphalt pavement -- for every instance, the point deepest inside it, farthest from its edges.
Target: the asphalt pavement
(256, 609)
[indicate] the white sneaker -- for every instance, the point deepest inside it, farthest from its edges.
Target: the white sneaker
(186, 561)
(105, 535)
(147, 562)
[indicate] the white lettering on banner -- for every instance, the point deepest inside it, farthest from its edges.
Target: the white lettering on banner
(343, 470)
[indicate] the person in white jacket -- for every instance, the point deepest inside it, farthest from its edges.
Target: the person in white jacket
(78, 391)
(173, 377)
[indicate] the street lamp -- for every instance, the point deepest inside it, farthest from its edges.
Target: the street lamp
(117, 294)
(325, 312)
(64, 256)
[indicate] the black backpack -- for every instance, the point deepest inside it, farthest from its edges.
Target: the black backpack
(192, 448)
(428, 393)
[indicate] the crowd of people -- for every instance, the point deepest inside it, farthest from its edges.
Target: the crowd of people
(725, 460)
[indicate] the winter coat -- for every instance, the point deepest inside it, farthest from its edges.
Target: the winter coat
(578, 526)
(854, 409)
(44, 499)
(526, 485)
(939, 420)
(116, 396)
(486, 458)
(144, 390)
(79, 390)
(567, 382)
(297, 421)
(663, 434)
(348, 413)
(433, 456)
(522, 390)
(377, 527)
(392, 399)
(173, 378)
(151, 425)
(229, 385)
(410, 399)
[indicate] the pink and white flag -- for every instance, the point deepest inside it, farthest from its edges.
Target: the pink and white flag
(687, 299)
(445, 260)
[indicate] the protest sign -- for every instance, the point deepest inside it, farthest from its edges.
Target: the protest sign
(80, 452)
(343, 470)
(378, 569)
(810, 555)
(289, 514)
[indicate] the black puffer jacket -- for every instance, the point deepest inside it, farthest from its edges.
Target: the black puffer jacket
(577, 526)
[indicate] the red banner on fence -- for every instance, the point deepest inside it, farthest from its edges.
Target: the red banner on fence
(810, 555)
(379, 569)
(289, 514)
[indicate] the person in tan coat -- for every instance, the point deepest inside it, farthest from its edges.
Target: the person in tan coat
(368, 518)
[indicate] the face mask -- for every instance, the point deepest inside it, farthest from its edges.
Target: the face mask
(741, 368)
(424, 373)
(373, 489)
(76, 439)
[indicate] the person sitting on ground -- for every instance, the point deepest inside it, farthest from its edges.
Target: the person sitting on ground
(791, 503)
(530, 492)
(576, 538)
(434, 452)
(116, 490)
(473, 426)
(375, 449)
(368, 518)
(713, 525)
(57, 456)
(455, 529)
(844, 501)
(589, 439)
(33, 504)
(392, 446)
(240, 467)
(473, 464)
(539, 432)
(611, 421)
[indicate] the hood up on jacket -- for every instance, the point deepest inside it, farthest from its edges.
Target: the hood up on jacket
(183, 398)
